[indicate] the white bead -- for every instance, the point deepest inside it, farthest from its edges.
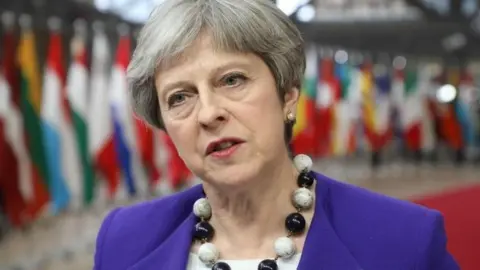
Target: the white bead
(202, 208)
(303, 198)
(208, 254)
(285, 247)
(303, 163)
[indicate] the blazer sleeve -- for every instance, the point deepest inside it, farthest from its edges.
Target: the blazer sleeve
(436, 256)
(101, 239)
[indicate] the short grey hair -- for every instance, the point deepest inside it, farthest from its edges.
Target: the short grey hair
(247, 26)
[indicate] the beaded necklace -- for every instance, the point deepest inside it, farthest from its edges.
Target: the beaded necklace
(295, 224)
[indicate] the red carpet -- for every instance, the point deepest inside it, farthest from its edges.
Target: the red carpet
(461, 209)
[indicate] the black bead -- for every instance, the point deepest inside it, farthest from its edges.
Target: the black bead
(221, 266)
(305, 179)
(295, 223)
(268, 265)
(203, 231)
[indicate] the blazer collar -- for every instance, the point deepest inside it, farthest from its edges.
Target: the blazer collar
(173, 253)
(323, 248)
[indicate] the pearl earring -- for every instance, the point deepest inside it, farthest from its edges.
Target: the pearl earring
(291, 117)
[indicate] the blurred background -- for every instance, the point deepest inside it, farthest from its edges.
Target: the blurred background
(390, 103)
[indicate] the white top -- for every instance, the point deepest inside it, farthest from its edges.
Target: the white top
(194, 263)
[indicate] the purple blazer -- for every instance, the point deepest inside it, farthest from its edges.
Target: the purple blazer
(352, 229)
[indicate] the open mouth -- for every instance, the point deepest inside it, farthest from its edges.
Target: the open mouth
(222, 145)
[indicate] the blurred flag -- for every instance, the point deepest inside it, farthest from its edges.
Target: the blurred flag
(17, 168)
(31, 99)
(178, 171)
(56, 132)
(303, 130)
(160, 156)
(146, 149)
(376, 107)
(123, 119)
(100, 126)
(9, 169)
(464, 107)
(449, 124)
(426, 87)
(412, 111)
(343, 139)
(77, 93)
(327, 93)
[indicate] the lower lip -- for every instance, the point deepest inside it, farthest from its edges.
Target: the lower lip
(226, 153)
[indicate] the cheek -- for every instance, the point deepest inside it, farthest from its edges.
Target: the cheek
(182, 138)
(266, 122)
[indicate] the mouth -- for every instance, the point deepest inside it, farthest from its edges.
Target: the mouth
(222, 145)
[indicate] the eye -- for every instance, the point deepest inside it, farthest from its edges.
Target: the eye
(177, 99)
(233, 80)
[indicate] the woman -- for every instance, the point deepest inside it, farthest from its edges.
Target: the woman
(222, 78)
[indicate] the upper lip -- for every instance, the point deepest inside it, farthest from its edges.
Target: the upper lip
(211, 146)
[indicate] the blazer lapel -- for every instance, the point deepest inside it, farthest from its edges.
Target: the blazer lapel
(323, 248)
(172, 253)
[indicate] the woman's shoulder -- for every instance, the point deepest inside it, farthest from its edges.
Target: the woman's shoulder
(365, 204)
(128, 233)
(374, 226)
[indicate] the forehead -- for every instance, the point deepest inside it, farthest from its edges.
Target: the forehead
(203, 55)
(207, 52)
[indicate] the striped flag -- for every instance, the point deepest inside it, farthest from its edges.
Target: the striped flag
(343, 139)
(123, 119)
(411, 113)
(77, 93)
(464, 106)
(327, 93)
(30, 101)
(9, 169)
(450, 125)
(56, 131)
(100, 129)
(303, 130)
(14, 121)
(425, 87)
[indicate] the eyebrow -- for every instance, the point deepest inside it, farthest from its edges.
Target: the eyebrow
(220, 69)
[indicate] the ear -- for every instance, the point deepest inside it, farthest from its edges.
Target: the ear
(291, 99)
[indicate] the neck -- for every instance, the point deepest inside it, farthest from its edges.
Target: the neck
(254, 216)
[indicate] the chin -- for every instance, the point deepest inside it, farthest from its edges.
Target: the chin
(236, 176)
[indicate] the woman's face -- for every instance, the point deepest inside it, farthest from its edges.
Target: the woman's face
(223, 113)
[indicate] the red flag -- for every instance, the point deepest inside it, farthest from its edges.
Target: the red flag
(178, 171)
(15, 205)
(325, 109)
(450, 128)
(146, 147)
(100, 125)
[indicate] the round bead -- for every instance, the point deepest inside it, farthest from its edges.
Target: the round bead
(202, 208)
(203, 231)
(268, 265)
(295, 223)
(303, 198)
(208, 254)
(285, 247)
(303, 163)
(305, 179)
(221, 266)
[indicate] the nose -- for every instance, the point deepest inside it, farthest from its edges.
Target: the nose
(211, 113)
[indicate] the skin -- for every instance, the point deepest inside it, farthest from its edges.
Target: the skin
(207, 95)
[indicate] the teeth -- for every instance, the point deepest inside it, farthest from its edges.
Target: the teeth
(223, 146)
